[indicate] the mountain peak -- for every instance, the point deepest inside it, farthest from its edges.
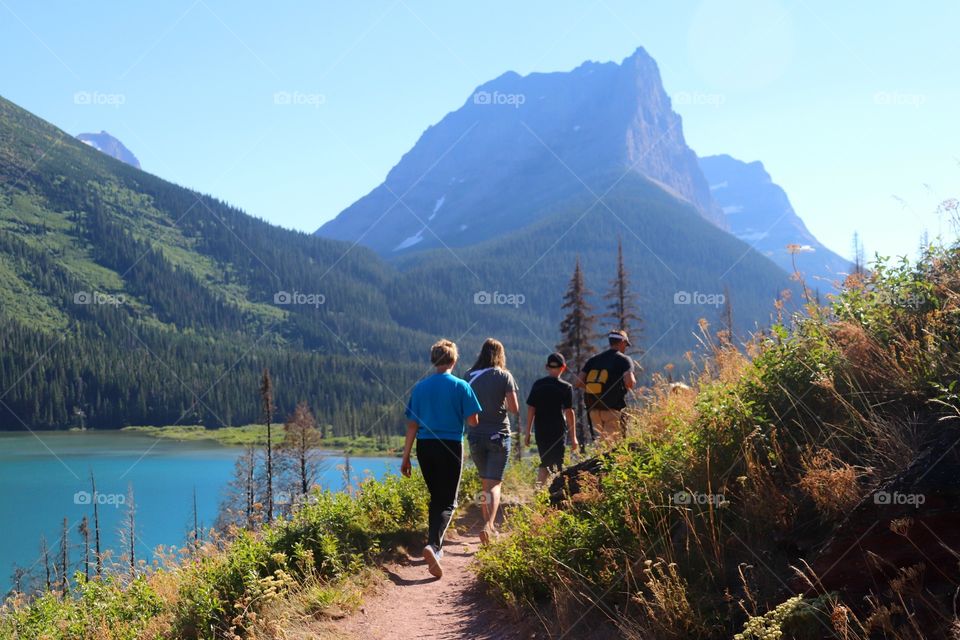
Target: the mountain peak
(106, 143)
(519, 144)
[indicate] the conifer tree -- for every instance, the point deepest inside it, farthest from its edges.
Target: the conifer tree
(84, 530)
(301, 439)
(577, 327)
(622, 309)
(96, 525)
(64, 558)
(577, 334)
(266, 402)
(858, 266)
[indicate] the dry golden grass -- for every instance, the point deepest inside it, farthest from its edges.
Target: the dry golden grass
(833, 485)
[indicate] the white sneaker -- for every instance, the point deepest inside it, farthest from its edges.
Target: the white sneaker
(432, 556)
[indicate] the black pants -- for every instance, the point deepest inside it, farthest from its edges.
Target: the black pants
(441, 462)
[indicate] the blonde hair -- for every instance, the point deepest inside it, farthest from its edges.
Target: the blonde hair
(492, 354)
(443, 353)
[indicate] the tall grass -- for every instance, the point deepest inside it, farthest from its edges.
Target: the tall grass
(695, 523)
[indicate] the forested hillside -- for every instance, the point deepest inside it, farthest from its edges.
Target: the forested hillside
(130, 300)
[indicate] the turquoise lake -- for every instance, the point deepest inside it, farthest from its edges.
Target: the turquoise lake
(44, 477)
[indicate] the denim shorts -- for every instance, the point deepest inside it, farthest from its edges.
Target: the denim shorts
(490, 454)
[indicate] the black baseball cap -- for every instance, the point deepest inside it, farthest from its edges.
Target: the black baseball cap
(556, 360)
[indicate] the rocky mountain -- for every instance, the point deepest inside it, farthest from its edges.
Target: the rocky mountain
(521, 144)
(758, 212)
(109, 145)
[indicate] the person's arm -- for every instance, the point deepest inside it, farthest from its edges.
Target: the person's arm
(470, 406)
(629, 380)
(531, 414)
(513, 403)
(405, 466)
(580, 382)
(572, 428)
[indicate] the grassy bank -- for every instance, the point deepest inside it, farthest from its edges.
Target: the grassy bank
(700, 525)
(256, 434)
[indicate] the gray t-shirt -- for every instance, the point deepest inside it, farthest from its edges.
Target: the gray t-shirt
(492, 387)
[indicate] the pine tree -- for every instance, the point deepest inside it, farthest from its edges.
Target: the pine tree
(725, 335)
(577, 334)
(301, 439)
(64, 558)
(96, 525)
(45, 557)
(84, 530)
(858, 267)
(622, 310)
(129, 532)
(240, 504)
(266, 403)
(576, 328)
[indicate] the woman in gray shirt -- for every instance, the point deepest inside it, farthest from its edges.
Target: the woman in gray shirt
(490, 438)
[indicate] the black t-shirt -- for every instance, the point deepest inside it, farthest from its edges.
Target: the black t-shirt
(603, 375)
(550, 396)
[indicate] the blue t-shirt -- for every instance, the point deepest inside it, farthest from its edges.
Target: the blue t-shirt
(440, 404)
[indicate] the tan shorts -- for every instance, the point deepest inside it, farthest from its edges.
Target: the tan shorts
(608, 423)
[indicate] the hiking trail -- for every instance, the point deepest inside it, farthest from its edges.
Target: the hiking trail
(414, 604)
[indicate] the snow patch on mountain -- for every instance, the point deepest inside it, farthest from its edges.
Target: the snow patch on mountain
(436, 207)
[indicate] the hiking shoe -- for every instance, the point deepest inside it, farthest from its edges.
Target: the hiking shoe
(432, 556)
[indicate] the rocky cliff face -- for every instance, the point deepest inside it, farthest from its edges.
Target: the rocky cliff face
(520, 144)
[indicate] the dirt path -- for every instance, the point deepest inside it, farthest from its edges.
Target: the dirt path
(414, 604)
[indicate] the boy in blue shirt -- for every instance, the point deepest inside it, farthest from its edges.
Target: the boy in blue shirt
(439, 406)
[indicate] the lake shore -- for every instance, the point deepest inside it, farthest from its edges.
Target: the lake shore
(256, 434)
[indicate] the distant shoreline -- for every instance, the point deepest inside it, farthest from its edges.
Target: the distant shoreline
(256, 434)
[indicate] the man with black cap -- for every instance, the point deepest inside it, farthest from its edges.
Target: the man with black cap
(549, 408)
(606, 378)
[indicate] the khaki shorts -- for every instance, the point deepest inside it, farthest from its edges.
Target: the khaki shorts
(608, 423)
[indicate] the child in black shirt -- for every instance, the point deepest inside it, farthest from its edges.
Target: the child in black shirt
(550, 409)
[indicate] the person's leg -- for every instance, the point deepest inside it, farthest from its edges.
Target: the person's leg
(542, 473)
(478, 453)
(450, 467)
(607, 424)
(491, 495)
(430, 467)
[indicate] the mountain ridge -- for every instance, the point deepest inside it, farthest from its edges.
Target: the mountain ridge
(759, 212)
(518, 144)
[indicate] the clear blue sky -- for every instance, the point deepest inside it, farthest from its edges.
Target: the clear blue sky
(852, 106)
